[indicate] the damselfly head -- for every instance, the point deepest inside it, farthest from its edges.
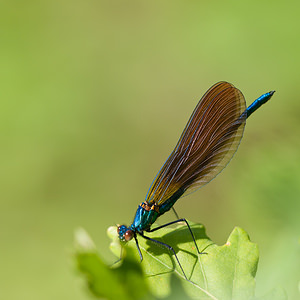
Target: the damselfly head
(125, 233)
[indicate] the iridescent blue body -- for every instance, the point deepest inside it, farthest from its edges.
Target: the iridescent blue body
(259, 102)
(207, 144)
(146, 215)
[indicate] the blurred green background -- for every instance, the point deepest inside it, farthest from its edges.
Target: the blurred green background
(94, 96)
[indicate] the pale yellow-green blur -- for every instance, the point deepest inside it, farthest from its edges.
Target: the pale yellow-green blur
(94, 96)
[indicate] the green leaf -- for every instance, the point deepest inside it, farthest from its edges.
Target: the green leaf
(224, 272)
(124, 282)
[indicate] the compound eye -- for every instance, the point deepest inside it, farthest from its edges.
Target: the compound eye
(128, 235)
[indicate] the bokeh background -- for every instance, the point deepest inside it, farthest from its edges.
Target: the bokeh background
(94, 96)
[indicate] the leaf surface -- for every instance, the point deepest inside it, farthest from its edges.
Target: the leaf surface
(220, 272)
(223, 272)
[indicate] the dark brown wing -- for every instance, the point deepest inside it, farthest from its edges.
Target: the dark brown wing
(208, 142)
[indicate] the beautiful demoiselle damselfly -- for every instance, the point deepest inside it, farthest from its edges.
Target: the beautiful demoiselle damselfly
(207, 144)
